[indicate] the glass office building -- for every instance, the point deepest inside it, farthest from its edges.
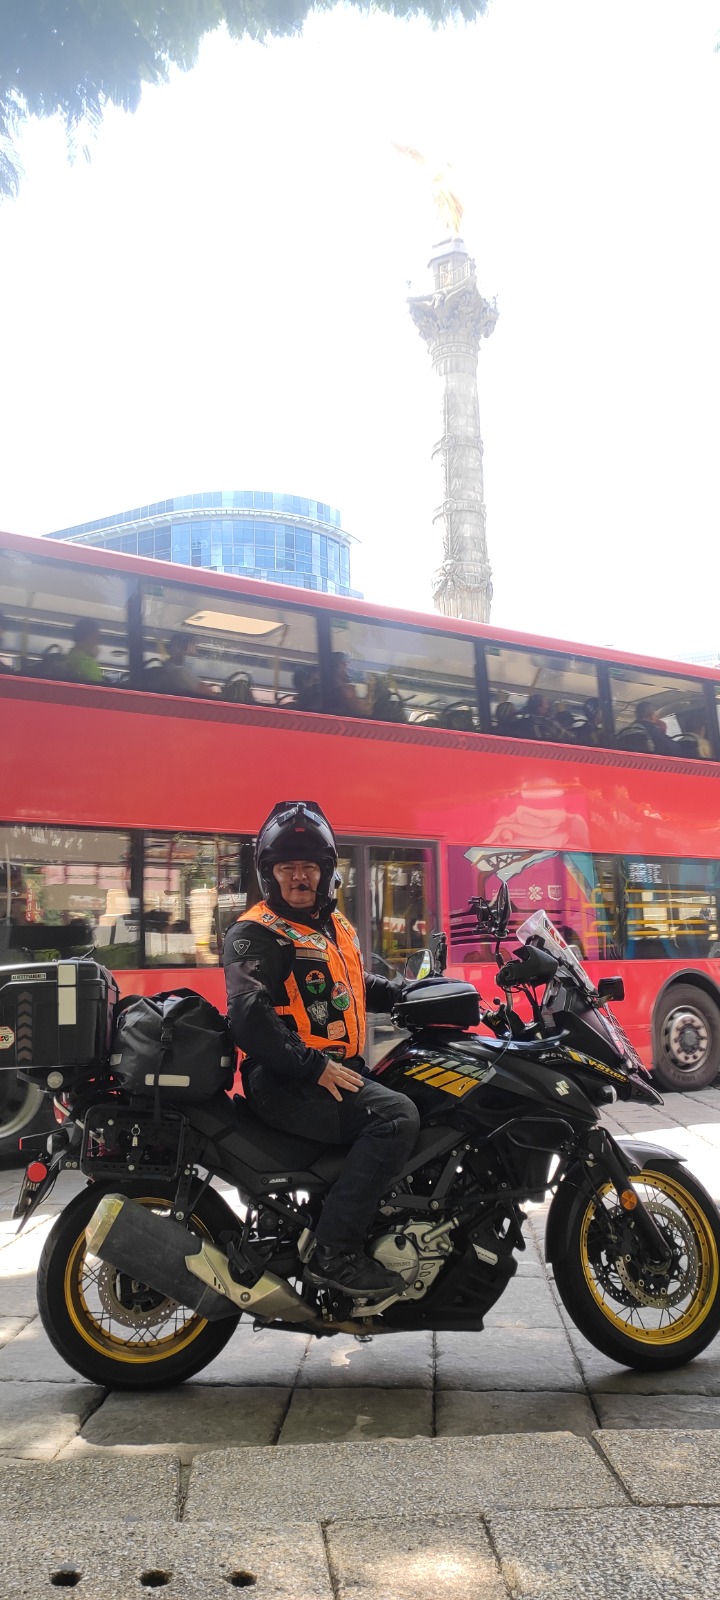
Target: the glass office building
(256, 533)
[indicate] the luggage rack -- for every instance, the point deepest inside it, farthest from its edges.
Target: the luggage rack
(120, 1140)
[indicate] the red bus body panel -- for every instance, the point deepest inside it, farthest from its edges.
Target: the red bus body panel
(83, 756)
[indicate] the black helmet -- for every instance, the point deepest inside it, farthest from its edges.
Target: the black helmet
(296, 830)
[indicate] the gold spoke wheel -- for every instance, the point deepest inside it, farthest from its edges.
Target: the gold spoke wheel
(647, 1309)
(121, 1317)
(627, 1305)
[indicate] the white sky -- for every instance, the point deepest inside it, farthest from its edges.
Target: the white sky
(217, 300)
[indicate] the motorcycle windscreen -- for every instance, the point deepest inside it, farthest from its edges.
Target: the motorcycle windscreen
(539, 928)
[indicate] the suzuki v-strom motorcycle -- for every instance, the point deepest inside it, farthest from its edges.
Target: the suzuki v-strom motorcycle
(145, 1273)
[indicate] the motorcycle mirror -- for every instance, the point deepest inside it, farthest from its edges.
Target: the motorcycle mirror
(419, 964)
(501, 910)
(611, 989)
(438, 951)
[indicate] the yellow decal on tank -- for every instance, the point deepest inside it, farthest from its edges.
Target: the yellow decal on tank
(455, 1083)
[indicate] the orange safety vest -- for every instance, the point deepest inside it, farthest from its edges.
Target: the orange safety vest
(325, 989)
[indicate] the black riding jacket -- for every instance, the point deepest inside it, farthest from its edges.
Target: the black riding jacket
(255, 983)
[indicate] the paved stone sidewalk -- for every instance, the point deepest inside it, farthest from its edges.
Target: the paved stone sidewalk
(528, 1371)
(522, 1517)
(516, 1464)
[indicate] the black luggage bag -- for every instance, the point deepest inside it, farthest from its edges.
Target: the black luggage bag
(176, 1045)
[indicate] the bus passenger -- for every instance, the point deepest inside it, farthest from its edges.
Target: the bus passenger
(693, 740)
(506, 718)
(344, 698)
(80, 664)
(536, 720)
(297, 998)
(174, 676)
(308, 693)
(565, 722)
(589, 730)
(647, 734)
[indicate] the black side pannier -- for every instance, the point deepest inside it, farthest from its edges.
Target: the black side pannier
(177, 1045)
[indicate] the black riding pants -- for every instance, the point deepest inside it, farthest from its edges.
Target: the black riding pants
(380, 1125)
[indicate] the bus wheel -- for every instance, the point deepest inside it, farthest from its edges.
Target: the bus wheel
(687, 1031)
(24, 1109)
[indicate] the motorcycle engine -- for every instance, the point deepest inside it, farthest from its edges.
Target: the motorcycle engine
(406, 1251)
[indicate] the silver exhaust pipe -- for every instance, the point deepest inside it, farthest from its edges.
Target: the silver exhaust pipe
(162, 1253)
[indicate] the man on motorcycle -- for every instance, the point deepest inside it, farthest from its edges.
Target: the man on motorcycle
(297, 998)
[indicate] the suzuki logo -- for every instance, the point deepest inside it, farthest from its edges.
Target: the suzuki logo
(562, 1087)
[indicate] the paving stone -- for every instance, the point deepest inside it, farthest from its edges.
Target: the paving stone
(647, 1555)
(530, 1266)
(31, 1356)
(462, 1412)
(421, 1559)
(321, 1416)
(603, 1376)
(661, 1466)
(658, 1411)
(271, 1359)
(464, 1476)
(197, 1563)
(38, 1419)
(507, 1358)
(184, 1420)
(9, 1327)
(21, 1255)
(390, 1358)
(111, 1488)
(18, 1294)
(526, 1303)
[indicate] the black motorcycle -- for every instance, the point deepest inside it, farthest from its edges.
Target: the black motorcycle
(145, 1273)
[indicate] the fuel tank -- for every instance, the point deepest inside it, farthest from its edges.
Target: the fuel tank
(488, 1078)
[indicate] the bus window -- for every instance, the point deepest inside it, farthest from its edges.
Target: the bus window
(402, 675)
(64, 891)
(180, 900)
(671, 909)
(534, 695)
(346, 889)
(62, 621)
(403, 905)
(237, 885)
(658, 715)
(200, 643)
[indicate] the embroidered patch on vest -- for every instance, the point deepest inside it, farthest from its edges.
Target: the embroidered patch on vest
(337, 1053)
(340, 997)
(315, 982)
(318, 1010)
(241, 946)
(336, 1030)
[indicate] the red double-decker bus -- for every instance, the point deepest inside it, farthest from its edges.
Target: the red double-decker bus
(152, 714)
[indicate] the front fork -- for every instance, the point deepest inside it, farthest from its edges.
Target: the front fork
(605, 1158)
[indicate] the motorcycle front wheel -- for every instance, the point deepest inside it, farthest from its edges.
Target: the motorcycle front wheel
(113, 1329)
(629, 1310)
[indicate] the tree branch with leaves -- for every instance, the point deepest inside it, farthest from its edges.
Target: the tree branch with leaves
(74, 57)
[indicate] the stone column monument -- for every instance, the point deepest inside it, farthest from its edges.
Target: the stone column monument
(452, 321)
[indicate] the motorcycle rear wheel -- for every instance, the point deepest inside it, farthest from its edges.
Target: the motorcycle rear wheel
(612, 1304)
(113, 1330)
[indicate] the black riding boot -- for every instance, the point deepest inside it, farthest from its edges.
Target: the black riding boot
(352, 1272)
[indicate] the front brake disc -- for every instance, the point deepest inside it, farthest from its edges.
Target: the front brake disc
(645, 1291)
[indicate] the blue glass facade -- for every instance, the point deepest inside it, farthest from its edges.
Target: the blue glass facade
(257, 533)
